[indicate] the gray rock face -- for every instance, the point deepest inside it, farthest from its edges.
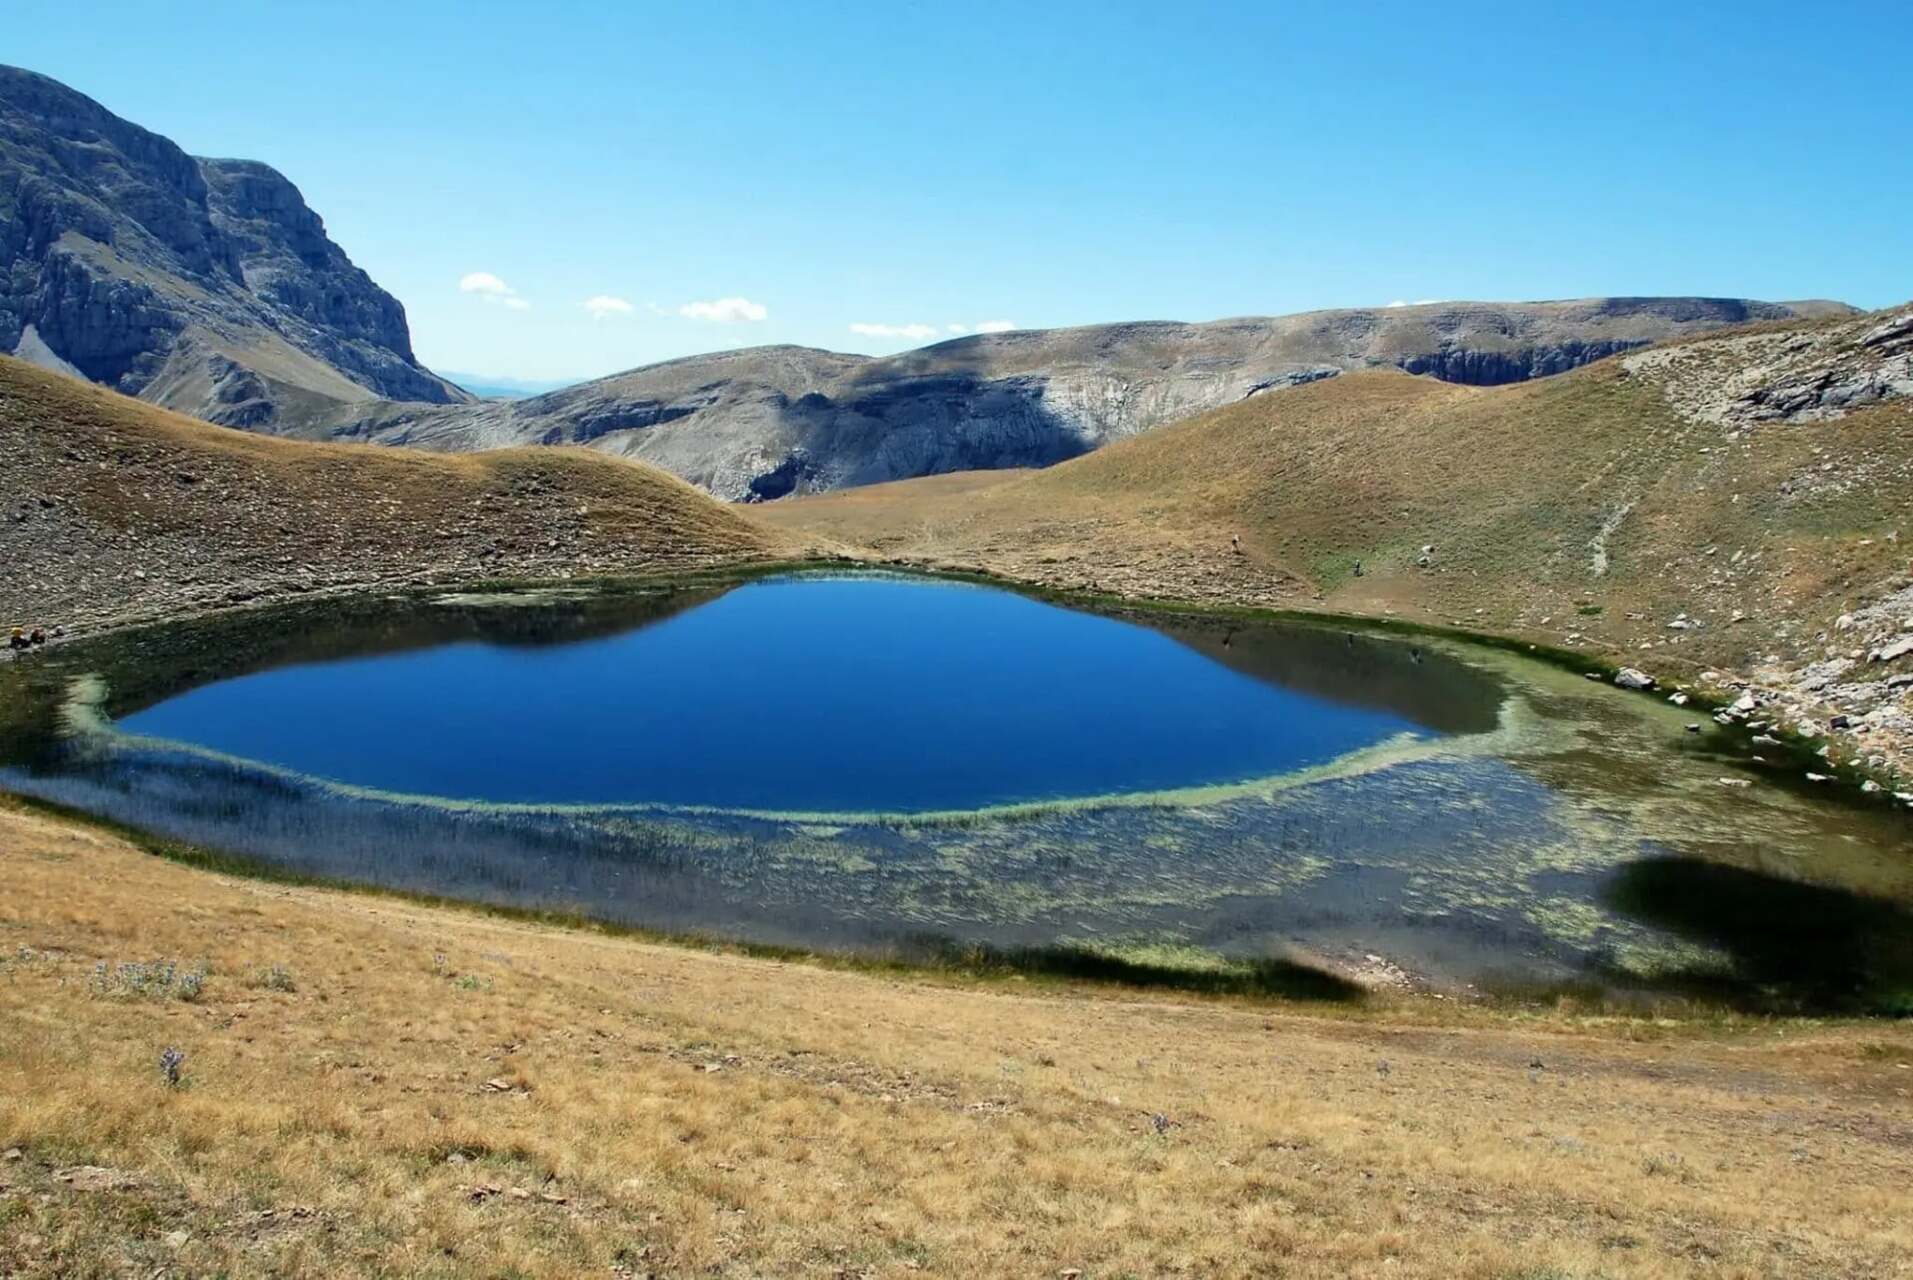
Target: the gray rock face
(161, 275)
(764, 423)
(1746, 380)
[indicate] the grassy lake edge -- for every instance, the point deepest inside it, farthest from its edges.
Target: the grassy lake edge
(1114, 968)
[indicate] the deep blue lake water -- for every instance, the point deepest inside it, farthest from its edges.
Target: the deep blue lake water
(1549, 829)
(806, 694)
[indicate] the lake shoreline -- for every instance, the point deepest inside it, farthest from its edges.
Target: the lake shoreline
(1359, 959)
(1825, 751)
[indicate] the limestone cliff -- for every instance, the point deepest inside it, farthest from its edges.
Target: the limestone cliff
(203, 285)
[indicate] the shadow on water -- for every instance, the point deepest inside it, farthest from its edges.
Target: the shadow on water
(1268, 977)
(1384, 674)
(1794, 947)
(147, 665)
(152, 664)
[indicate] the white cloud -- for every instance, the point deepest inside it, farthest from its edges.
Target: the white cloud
(604, 304)
(994, 326)
(724, 310)
(486, 283)
(1419, 302)
(915, 332)
(491, 289)
(957, 328)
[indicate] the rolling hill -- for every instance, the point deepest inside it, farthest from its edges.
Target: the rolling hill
(113, 509)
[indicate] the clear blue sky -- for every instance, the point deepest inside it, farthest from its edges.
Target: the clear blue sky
(1043, 164)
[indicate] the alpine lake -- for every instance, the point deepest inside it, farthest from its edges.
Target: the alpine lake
(927, 770)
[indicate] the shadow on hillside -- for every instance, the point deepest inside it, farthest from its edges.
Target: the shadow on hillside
(924, 424)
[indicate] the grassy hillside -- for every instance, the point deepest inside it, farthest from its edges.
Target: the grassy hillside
(114, 509)
(376, 1087)
(1583, 511)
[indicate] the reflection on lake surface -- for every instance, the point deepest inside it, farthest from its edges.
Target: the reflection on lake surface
(875, 762)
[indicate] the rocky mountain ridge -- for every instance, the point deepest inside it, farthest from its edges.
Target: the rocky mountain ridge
(210, 287)
(207, 286)
(767, 422)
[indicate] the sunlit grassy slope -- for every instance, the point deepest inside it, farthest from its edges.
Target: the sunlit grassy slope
(372, 1087)
(113, 508)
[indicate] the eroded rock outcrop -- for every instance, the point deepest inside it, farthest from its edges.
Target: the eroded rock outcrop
(1789, 375)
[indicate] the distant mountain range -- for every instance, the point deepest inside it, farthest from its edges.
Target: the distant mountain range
(208, 286)
(769, 421)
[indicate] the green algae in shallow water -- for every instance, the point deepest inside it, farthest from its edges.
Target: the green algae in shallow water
(1493, 852)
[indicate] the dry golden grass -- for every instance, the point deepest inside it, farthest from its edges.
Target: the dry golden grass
(448, 1093)
(116, 510)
